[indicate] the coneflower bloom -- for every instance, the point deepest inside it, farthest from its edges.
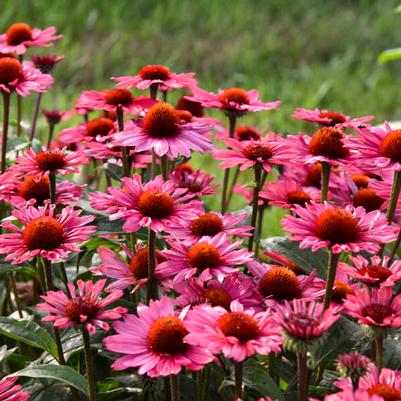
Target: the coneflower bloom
(20, 36)
(86, 308)
(22, 78)
(45, 233)
(267, 151)
(195, 108)
(159, 76)
(41, 164)
(343, 229)
(349, 394)
(305, 323)
(375, 272)
(210, 257)
(235, 101)
(198, 182)
(53, 117)
(234, 287)
(155, 342)
(375, 307)
(157, 204)
(11, 392)
(330, 118)
(162, 131)
(242, 133)
(124, 275)
(237, 334)
(210, 224)
(278, 283)
(354, 365)
(386, 384)
(45, 63)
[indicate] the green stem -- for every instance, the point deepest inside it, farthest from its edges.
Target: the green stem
(174, 388)
(50, 137)
(331, 275)
(153, 166)
(238, 380)
(120, 120)
(6, 118)
(152, 285)
(52, 181)
(163, 164)
(379, 348)
(90, 371)
(259, 226)
(153, 91)
(65, 279)
(15, 291)
(326, 168)
(302, 376)
(232, 185)
(205, 384)
(395, 192)
(35, 118)
(19, 114)
(258, 171)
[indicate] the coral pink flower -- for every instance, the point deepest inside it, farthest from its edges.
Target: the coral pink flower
(210, 257)
(375, 307)
(124, 275)
(374, 272)
(210, 224)
(349, 394)
(232, 100)
(45, 233)
(343, 229)
(159, 76)
(386, 384)
(22, 78)
(198, 182)
(20, 36)
(376, 149)
(246, 154)
(330, 118)
(45, 63)
(162, 131)
(237, 333)
(53, 117)
(85, 308)
(234, 287)
(155, 342)
(353, 365)
(157, 204)
(9, 392)
(47, 161)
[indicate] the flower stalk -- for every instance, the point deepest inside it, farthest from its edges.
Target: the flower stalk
(326, 169)
(152, 285)
(90, 371)
(238, 373)
(35, 119)
(331, 275)
(302, 376)
(6, 118)
(255, 199)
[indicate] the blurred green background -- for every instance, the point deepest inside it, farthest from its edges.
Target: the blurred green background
(308, 53)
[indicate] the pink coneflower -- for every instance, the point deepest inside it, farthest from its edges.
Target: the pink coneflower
(375, 307)
(124, 275)
(209, 224)
(330, 118)
(238, 333)
(10, 392)
(246, 154)
(195, 108)
(22, 78)
(305, 323)
(343, 229)
(53, 117)
(20, 36)
(85, 308)
(198, 182)
(48, 161)
(45, 63)
(232, 100)
(45, 233)
(386, 384)
(349, 394)
(354, 365)
(375, 272)
(210, 257)
(278, 283)
(159, 76)
(162, 131)
(242, 133)
(155, 342)
(234, 287)
(110, 99)
(157, 204)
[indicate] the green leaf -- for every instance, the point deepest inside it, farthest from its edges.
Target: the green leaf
(60, 373)
(28, 332)
(113, 171)
(105, 226)
(392, 354)
(390, 55)
(5, 353)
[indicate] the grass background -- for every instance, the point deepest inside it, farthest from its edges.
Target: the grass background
(308, 53)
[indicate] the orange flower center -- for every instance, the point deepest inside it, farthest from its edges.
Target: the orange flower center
(18, 33)
(235, 95)
(81, 306)
(195, 108)
(99, 126)
(161, 121)
(203, 256)
(335, 118)
(155, 204)
(208, 224)
(139, 263)
(327, 142)
(298, 198)
(43, 233)
(239, 325)
(117, 97)
(10, 70)
(314, 176)
(391, 146)
(30, 189)
(154, 72)
(367, 198)
(337, 226)
(50, 161)
(256, 152)
(246, 133)
(361, 181)
(378, 272)
(389, 393)
(340, 291)
(280, 283)
(184, 115)
(377, 312)
(166, 336)
(217, 297)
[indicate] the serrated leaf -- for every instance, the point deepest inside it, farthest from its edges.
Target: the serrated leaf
(390, 55)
